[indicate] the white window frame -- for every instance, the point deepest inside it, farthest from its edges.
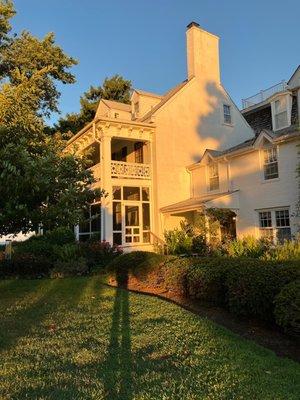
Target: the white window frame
(210, 187)
(288, 111)
(274, 228)
(230, 114)
(89, 233)
(264, 164)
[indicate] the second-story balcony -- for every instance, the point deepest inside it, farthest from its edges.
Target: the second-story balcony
(120, 169)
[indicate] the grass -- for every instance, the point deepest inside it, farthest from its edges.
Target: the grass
(76, 339)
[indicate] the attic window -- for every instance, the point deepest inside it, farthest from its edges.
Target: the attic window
(270, 163)
(213, 176)
(281, 112)
(227, 114)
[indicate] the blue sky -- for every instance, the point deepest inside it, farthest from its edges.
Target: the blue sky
(145, 40)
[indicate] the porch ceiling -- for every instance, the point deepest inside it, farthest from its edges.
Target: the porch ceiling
(218, 200)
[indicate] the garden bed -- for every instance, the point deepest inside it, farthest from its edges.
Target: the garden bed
(261, 333)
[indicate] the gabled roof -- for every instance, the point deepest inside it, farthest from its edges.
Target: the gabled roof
(164, 100)
(144, 93)
(117, 105)
(295, 72)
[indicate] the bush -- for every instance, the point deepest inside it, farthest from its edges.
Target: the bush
(252, 285)
(64, 269)
(99, 253)
(246, 287)
(289, 250)
(67, 253)
(137, 263)
(60, 236)
(25, 266)
(178, 242)
(35, 245)
(248, 246)
(287, 308)
(206, 280)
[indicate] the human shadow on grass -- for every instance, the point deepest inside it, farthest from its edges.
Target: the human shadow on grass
(117, 371)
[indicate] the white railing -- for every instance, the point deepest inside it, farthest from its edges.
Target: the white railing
(263, 95)
(120, 169)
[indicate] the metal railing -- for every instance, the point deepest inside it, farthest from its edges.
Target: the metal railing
(263, 95)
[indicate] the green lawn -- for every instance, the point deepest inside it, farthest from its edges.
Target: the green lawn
(75, 339)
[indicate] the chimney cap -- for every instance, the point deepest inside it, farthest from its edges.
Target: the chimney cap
(193, 23)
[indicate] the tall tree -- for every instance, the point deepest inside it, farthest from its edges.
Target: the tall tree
(115, 88)
(39, 182)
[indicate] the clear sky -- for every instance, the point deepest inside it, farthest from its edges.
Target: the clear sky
(144, 40)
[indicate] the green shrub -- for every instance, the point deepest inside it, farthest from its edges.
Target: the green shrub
(137, 263)
(252, 285)
(66, 253)
(199, 245)
(206, 280)
(99, 253)
(289, 250)
(25, 266)
(287, 308)
(64, 269)
(248, 246)
(60, 236)
(174, 272)
(35, 245)
(178, 242)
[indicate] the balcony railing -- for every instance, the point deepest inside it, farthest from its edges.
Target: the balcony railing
(263, 95)
(120, 169)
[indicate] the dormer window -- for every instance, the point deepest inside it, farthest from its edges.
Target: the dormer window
(213, 176)
(281, 112)
(227, 114)
(270, 163)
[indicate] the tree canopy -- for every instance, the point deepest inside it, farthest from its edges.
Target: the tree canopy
(115, 88)
(40, 184)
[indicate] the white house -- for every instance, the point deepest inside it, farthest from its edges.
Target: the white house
(146, 155)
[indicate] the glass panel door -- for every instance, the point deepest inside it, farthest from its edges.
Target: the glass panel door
(132, 232)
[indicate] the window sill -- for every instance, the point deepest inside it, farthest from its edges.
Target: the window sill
(270, 180)
(226, 124)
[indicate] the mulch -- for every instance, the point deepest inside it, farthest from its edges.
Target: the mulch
(268, 336)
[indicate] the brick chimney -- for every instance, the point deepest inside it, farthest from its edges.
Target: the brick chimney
(202, 54)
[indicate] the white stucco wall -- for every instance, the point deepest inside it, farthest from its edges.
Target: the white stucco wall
(255, 193)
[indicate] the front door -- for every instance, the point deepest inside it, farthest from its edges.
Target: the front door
(132, 221)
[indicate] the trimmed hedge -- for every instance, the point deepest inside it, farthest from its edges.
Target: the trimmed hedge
(287, 308)
(246, 287)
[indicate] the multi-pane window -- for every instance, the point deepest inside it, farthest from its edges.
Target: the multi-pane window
(280, 112)
(131, 215)
(283, 225)
(138, 152)
(275, 224)
(91, 225)
(270, 163)
(265, 224)
(213, 176)
(227, 114)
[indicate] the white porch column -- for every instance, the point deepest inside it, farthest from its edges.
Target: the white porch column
(106, 184)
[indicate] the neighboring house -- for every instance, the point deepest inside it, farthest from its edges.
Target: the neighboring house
(141, 152)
